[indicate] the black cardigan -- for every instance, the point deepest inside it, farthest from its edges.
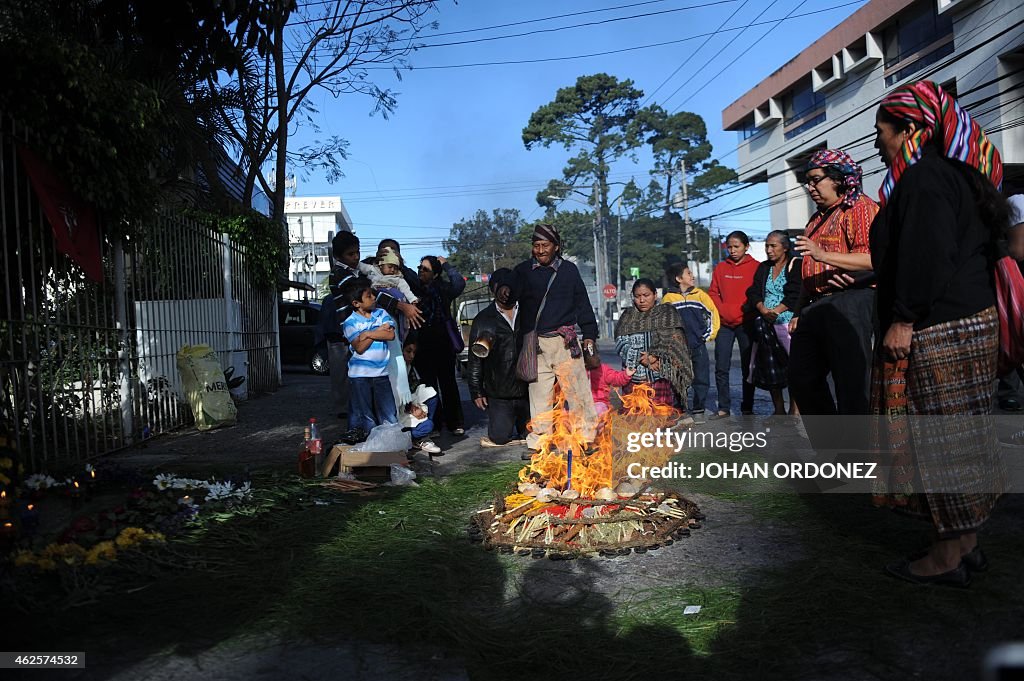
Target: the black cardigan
(932, 252)
(790, 292)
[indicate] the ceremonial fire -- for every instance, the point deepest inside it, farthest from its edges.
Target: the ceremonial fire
(572, 500)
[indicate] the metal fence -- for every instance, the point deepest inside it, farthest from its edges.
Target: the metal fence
(88, 368)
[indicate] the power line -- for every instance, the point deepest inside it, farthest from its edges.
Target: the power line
(607, 52)
(540, 31)
(860, 79)
(724, 48)
(694, 53)
(749, 47)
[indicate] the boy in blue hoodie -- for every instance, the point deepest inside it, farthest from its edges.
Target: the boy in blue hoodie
(701, 321)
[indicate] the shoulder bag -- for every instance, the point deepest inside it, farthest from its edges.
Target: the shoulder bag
(526, 365)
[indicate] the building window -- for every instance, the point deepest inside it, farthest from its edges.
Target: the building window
(803, 108)
(919, 38)
(748, 129)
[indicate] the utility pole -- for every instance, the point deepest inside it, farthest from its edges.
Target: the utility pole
(598, 259)
(691, 242)
(618, 250)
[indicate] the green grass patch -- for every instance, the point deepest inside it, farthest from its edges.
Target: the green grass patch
(398, 568)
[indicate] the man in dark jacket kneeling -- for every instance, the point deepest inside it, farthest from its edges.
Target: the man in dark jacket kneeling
(493, 351)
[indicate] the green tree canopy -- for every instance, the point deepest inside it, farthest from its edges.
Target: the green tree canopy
(595, 117)
(485, 242)
(682, 137)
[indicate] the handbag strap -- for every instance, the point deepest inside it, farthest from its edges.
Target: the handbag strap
(544, 300)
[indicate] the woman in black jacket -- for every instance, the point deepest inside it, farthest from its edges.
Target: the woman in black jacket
(772, 300)
(435, 354)
(939, 330)
(491, 374)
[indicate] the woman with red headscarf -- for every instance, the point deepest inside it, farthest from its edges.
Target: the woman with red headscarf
(936, 361)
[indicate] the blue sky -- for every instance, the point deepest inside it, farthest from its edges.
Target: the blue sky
(454, 144)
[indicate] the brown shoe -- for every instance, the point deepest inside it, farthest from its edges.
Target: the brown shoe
(488, 442)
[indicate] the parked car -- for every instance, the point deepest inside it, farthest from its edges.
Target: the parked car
(301, 339)
(464, 316)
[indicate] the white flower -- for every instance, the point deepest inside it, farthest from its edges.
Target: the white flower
(39, 481)
(164, 481)
(219, 490)
(243, 491)
(89, 468)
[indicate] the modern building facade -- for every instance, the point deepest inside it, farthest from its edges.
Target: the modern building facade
(312, 223)
(827, 95)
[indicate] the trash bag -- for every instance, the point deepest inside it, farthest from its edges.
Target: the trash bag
(205, 387)
(386, 438)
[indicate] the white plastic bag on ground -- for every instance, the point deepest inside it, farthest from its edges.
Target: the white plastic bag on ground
(206, 389)
(402, 476)
(386, 438)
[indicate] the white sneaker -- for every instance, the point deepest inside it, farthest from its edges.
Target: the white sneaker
(488, 442)
(428, 446)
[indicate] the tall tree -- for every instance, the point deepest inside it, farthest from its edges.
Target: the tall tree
(595, 117)
(678, 140)
(326, 46)
(485, 242)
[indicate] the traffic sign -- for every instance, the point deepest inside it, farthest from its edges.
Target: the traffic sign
(610, 291)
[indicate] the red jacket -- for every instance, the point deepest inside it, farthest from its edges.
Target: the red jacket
(729, 285)
(603, 378)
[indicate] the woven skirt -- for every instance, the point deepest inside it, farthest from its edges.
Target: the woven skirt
(947, 379)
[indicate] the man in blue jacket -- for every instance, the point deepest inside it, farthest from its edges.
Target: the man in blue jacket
(547, 278)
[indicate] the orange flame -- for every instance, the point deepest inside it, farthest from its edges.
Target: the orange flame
(594, 469)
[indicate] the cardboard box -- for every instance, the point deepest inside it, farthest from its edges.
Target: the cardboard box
(369, 466)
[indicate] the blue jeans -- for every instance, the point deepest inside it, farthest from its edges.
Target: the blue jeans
(367, 394)
(427, 427)
(723, 362)
(701, 377)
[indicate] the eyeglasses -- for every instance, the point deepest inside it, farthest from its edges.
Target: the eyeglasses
(813, 181)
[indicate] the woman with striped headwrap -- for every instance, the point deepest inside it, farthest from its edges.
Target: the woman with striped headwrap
(938, 324)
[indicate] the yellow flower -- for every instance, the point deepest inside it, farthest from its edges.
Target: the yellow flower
(132, 536)
(104, 551)
(6, 462)
(46, 564)
(23, 558)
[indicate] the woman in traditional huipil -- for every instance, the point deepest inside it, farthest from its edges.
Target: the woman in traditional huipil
(831, 328)
(938, 325)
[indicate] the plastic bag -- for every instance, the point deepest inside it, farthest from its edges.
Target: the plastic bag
(205, 387)
(402, 476)
(386, 438)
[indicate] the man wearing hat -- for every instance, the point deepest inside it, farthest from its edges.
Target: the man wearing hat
(554, 301)
(491, 373)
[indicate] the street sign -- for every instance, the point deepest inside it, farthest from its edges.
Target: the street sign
(634, 272)
(610, 291)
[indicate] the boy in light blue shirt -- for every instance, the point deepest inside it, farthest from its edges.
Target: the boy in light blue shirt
(368, 330)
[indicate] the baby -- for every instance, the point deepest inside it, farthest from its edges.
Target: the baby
(388, 274)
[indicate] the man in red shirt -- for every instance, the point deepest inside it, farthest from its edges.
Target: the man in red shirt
(728, 291)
